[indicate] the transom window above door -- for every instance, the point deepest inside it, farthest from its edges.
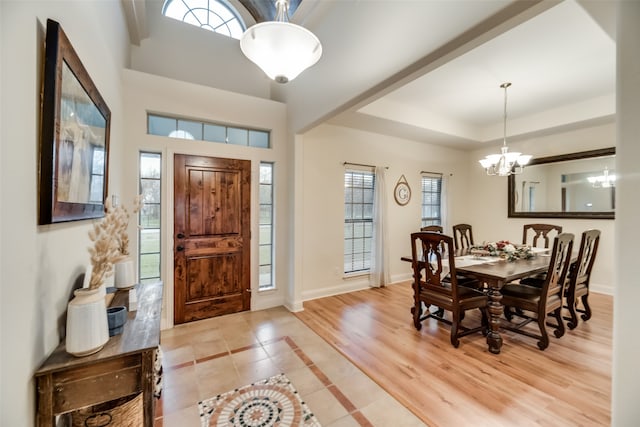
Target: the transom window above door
(218, 16)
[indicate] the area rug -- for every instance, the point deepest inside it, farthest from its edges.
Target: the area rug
(272, 402)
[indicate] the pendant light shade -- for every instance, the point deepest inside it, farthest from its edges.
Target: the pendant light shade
(281, 49)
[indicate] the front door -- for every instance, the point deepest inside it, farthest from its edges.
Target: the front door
(211, 237)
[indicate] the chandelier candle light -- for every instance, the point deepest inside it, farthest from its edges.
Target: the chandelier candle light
(281, 49)
(503, 164)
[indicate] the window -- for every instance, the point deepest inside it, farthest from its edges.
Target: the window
(431, 200)
(174, 127)
(97, 174)
(218, 16)
(358, 219)
(265, 240)
(149, 218)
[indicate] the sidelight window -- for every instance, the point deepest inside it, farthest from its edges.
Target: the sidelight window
(149, 217)
(265, 241)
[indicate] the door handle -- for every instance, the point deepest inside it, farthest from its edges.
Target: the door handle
(180, 236)
(180, 248)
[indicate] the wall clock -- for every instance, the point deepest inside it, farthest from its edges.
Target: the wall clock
(402, 192)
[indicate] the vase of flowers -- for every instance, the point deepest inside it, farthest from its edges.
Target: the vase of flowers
(124, 271)
(504, 249)
(87, 321)
(87, 325)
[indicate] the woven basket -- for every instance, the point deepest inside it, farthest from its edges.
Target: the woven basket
(124, 412)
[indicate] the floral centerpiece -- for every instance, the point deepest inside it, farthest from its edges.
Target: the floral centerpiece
(503, 249)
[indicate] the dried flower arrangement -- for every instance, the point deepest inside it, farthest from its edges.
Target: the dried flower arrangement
(110, 241)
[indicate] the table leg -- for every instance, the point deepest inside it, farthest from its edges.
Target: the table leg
(494, 340)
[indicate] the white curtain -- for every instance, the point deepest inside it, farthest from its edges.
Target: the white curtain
(379, 272)
(444, 205)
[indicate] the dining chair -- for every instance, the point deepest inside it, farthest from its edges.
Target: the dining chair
(433, 228)
(463, 236)
(543, 301)
(430, 264)
(579, 277)
(540, 231)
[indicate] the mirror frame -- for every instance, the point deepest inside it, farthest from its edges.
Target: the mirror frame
(553, 159)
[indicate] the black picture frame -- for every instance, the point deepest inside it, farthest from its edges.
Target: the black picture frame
(74, 136)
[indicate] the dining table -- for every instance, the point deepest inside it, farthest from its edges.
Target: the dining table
(496, 272)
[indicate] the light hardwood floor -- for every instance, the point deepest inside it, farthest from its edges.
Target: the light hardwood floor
(568, 384)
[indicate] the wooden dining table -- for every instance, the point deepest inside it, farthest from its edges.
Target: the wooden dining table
(495, 274)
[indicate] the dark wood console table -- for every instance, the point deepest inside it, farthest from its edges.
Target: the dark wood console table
(124, 367)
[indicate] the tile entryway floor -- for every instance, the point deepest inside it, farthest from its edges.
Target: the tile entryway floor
(209, 357)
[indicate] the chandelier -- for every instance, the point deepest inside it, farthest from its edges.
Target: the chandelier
(503, 164)
(281, 49)
(605, 180)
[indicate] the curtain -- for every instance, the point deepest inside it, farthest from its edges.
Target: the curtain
(379, 271)
(444, 205)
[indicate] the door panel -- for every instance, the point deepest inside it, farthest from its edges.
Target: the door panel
(211, 242)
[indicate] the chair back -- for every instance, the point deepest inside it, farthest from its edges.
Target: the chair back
(463, 236)
(581, 271)
(540, 232)
(433, 228)
(433, 252)
(553, 287)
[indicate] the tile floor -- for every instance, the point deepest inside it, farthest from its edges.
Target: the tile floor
(205, 358)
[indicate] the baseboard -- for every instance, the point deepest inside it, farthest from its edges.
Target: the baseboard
(352, 286)
(265, 301)
(601, 289)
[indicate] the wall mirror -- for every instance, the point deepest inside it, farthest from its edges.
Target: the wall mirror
(74, 140)
(577, 185)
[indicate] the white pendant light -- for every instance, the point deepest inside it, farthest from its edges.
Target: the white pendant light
(281, 49)
(503, 164)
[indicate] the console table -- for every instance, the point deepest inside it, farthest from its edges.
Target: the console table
(124, 367)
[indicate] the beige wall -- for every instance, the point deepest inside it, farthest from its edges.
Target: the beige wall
(488, 197)
(324, 150)
(148, 93)
(39, 264)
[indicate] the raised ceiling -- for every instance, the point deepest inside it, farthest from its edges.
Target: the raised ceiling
(425, 70)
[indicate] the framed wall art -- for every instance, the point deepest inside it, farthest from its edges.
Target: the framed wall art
(74, 137)
(402, 191)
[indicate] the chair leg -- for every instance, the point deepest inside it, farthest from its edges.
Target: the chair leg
(485, 321)
(557, 313)
(417, 313)
(454, 329)
(544, 337)
(507, 313)
(571, 305)
(587, 309)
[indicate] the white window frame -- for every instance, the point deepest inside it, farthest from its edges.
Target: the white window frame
(358, 219)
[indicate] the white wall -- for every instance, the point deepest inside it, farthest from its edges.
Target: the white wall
(211, 59)
(488, 197)
(625, 410)
(148, 93)
(324, 150)
(39, 264)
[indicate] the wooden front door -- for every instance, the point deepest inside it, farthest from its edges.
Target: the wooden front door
(211, 237)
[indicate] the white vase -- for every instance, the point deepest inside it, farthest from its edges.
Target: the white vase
(87, 327)
(124, 275)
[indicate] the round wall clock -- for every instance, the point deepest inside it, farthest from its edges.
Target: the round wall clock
(402, 192)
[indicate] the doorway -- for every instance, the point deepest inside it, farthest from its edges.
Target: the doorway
(212, 235)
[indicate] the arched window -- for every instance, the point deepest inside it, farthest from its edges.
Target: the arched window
(213, 15)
